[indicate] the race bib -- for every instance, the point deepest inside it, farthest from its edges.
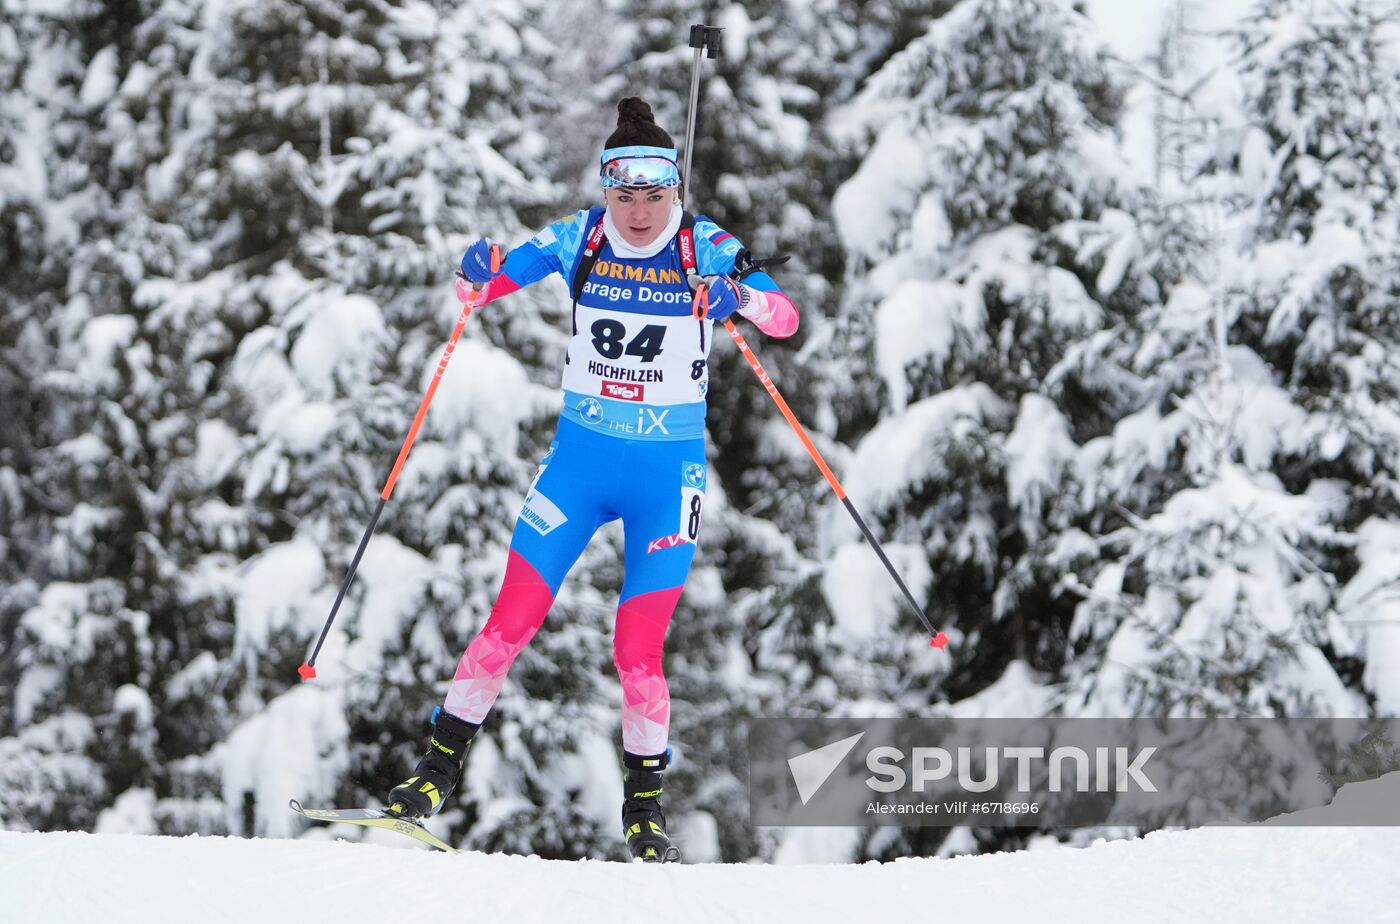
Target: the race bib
(646, 359)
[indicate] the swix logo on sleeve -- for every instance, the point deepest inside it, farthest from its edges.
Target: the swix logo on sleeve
(623, 391)
(687, 248)
(595, 238)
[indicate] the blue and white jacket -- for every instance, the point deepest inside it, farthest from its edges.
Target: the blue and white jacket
(637, 363)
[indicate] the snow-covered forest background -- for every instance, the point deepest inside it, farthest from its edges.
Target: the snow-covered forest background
(1099, 328)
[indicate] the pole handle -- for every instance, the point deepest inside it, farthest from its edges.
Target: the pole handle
(702, 38)
(701, 304)
(706, 37)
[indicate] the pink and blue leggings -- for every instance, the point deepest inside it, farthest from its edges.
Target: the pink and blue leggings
(589, 478)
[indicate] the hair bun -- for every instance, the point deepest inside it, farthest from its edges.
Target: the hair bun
(634, 109)
(637, 126)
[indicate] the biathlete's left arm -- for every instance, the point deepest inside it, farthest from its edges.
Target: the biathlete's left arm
(760, 299)
(550, 251)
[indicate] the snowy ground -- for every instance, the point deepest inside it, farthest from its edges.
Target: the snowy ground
(1272, 875)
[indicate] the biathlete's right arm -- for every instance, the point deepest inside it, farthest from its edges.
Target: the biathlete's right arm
(550, 251)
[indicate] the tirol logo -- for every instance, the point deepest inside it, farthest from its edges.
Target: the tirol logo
(622, 391)
(672, 541)
(591, 410)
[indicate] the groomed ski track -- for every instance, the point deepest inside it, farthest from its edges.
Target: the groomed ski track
(1266, 875)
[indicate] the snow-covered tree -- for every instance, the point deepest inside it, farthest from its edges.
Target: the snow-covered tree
(993, 241)
(251, 290)
(990, 242)
(1266, 435)
(1137, 450)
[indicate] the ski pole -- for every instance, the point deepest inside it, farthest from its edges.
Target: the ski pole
(707, 37)
(702, 303)
(308, 670)
(702, 38)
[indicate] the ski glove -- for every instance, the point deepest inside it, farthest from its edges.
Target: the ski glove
(726, 297)
(476, 262)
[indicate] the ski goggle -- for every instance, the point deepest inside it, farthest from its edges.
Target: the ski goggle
(640, 166)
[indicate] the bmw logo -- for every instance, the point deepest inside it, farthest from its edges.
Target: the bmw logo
(695, 475)
(591, 410)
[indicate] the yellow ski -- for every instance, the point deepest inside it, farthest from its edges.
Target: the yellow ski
(376, 818)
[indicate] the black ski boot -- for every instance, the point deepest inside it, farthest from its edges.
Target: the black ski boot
(437, 773)
(643, 824)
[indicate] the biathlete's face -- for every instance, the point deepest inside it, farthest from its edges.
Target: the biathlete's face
(640, 214)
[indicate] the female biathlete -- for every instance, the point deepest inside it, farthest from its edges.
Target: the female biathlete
(630, 445)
